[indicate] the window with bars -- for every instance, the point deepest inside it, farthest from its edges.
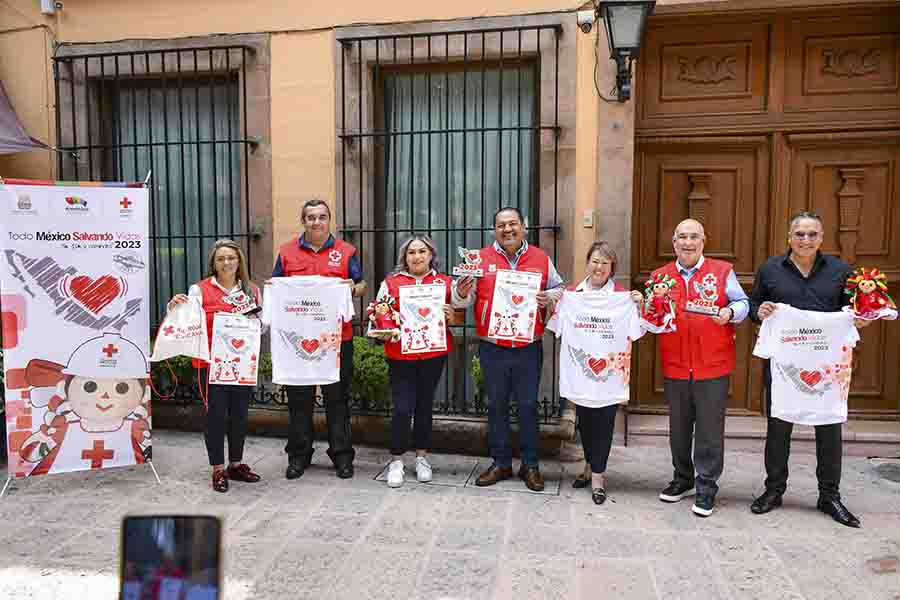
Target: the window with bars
(450, 184)
(179, 115)
(438, 130)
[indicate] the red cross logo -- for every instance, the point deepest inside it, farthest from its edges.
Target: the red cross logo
(97, 455)
(168, 330)
(125, 202)
(109, 350)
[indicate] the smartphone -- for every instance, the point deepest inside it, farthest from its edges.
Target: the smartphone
(171, 557)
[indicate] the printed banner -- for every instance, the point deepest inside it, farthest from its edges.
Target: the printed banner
(422, 315)
(76, 327)
(514, 305)
(235, 350)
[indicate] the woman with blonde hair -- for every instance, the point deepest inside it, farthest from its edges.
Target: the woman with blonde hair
(596, 422)
(414, 376)
(226, 289)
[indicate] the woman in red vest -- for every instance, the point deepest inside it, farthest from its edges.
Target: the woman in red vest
(415, 368)
(227, 289)
(597, 424)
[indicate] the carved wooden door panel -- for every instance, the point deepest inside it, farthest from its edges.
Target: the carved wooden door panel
(724, 184)
(851, 180)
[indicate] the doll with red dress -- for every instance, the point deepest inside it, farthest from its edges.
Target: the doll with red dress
(658, 310)
(384, 318)
(869, 299)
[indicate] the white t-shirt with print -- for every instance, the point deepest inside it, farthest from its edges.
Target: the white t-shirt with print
(305, 314)
(597, 329)
(810, 356)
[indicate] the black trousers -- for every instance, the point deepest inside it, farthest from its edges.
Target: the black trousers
(412, 388)
(226, 414)
(596, 426)
(337, 413)
(829, 451)
(697, 430)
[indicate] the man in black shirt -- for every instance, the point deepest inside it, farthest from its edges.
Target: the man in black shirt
(806, 280)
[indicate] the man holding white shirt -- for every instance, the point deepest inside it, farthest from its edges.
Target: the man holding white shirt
(805, 279)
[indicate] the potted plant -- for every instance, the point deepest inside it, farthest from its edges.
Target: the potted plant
(478, 384)
(370, 376)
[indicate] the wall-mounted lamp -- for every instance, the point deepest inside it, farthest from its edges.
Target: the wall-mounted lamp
(625, 22)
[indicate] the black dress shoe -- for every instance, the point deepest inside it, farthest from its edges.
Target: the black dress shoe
(767, 502)
(296, 467)
(581, 481)
(838, 511)
(598, 495)
(344, 471)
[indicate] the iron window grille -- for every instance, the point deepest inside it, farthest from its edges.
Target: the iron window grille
(455, 68)
(180, 113)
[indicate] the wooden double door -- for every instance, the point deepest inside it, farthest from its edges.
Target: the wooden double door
(744, 121)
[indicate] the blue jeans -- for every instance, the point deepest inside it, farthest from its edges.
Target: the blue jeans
(507, 372)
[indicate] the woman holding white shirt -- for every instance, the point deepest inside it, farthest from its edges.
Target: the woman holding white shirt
(597, 424)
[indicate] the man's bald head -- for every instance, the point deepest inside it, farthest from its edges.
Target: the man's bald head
(688, 241)
(689, 225)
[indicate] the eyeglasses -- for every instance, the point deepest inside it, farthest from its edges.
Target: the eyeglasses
(808, 235)
(314, 219)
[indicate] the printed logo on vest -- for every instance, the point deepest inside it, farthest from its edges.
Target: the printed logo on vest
(334, 258)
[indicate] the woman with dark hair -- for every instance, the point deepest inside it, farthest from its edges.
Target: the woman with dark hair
(227, 289)
(414, 376)
(597, 423)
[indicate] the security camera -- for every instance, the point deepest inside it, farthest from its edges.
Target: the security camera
(585, 20)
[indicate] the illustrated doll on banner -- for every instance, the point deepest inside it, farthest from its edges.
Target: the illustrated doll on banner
(658, 311)
(869, 299)
(98, 411)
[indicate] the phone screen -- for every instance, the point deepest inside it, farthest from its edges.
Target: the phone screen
(171, 558)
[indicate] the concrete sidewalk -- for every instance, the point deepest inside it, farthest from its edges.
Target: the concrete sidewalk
(321, 537)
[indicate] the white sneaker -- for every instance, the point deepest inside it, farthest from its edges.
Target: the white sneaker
(395, 473)
(423, 470)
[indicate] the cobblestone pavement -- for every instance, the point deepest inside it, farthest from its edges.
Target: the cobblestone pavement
(321, 537)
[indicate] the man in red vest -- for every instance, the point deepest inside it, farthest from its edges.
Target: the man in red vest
(697, 360)
(317, 252)
(510, 367)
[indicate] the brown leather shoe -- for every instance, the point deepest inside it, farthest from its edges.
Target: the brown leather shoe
(493, 475)
(534, 481)
(220, 481)
(243, 473)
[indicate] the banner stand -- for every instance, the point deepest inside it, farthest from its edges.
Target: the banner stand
(76, 262)
(149, 462)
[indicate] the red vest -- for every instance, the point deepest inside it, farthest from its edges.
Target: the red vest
(393, 283)
(327, 262)
(533, 259)
(698, 346)
(213, 302)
